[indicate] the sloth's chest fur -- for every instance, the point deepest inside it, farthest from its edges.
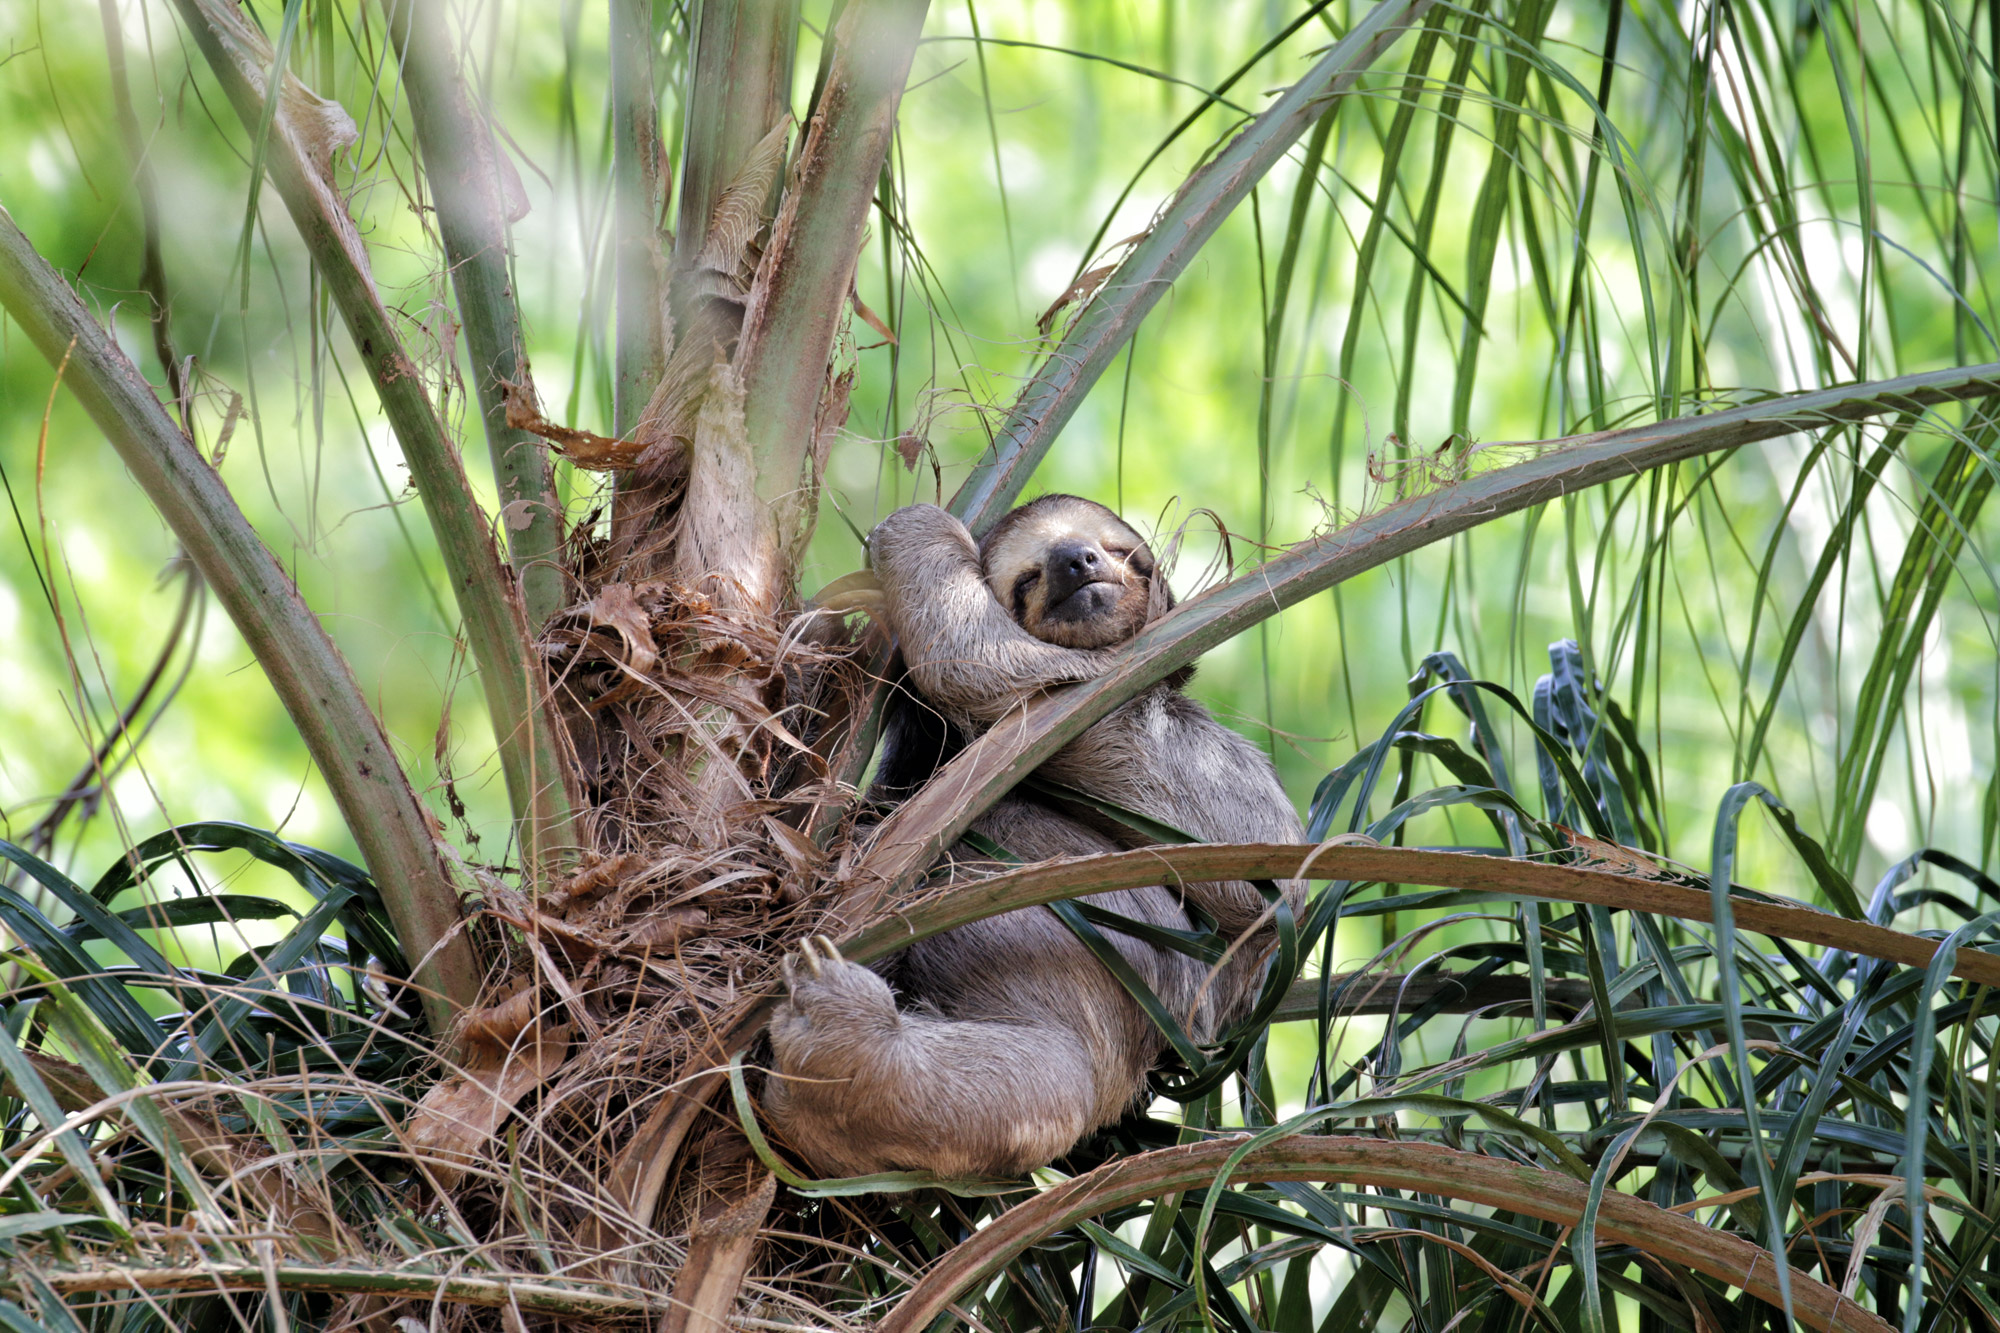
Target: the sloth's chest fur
(1163, 755)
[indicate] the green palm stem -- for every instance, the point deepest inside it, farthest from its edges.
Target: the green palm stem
(1197, 211)
(304, 667)
(639, 354)
(525, 728)
(468, 182)
(911, 839)
(801, 300)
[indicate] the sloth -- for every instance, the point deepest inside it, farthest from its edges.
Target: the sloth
(1012, 1042)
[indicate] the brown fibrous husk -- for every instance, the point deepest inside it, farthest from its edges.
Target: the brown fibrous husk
(708, 746)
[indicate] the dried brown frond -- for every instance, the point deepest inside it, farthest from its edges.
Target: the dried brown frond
(704, 733)
(599, 453)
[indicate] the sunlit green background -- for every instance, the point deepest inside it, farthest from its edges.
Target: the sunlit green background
(1011, 156)
(1781, 197)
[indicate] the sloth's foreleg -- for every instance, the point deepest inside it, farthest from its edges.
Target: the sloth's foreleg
(859, 1086)
(963, 649)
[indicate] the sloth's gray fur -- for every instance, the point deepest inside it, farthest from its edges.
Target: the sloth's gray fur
(1013, 1042)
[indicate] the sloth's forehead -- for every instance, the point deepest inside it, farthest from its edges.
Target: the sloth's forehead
(1026, 540)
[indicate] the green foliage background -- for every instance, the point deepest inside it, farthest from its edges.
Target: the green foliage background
(1780, 196)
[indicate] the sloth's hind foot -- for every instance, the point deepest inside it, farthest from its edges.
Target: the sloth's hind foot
(858, 1087)
(832, 1010)
(816, 952)
(833, 1044)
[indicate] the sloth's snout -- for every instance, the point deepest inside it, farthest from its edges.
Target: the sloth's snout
(1079, 559)
(1072, 565)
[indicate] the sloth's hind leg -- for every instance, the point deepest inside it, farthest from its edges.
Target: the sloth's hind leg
(859, 1086)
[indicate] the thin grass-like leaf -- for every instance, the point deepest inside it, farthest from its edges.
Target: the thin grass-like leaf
(470, 182)
(1033, 885)
(495, 624)
(26, 1082)
(1092, 342)
(305, 669)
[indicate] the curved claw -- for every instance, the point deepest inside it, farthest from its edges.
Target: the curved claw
(816, 952)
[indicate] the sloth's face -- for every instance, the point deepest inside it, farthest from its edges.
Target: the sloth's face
(1071, 572)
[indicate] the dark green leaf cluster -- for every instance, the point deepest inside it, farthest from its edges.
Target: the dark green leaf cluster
(1811, 1094)
(312, 1045)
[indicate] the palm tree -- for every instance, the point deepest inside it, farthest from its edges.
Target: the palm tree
(1717, 268)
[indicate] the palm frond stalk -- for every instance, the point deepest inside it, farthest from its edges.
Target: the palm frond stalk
(292, 648)
(297, 133)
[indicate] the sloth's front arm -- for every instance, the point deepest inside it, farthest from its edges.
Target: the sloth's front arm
(965, 652)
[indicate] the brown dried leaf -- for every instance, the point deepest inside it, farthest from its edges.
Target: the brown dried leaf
(804, 855)
(617, 607)
(1079, 291)
(662, 931)
(598, 453)
(910, 447)
(579, 944)
(458, 1117)
(496, 1026)
(859, 591)
(590, 881)
(870, 318)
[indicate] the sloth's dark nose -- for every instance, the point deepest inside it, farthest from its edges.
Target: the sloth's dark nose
(1077, 559)
(1072, 565)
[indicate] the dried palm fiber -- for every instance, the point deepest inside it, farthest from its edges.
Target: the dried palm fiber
(618, 985)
